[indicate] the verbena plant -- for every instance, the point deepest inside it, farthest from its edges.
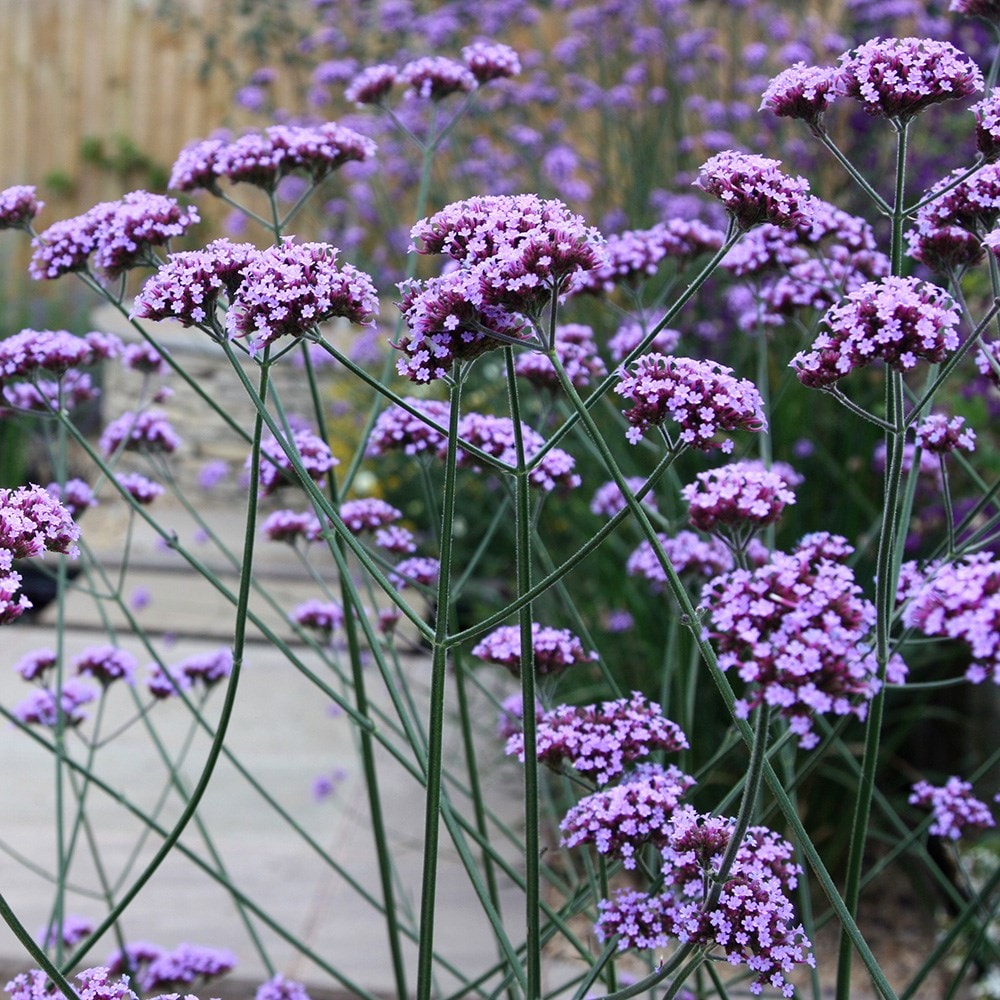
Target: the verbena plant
(662, 806)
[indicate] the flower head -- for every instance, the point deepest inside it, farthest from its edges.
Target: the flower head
(702, 397)
(18, 206)
(323, 616)
(687, 552)
(621, 818)
(797, 629)
(292, 287)
(292, 526)
(608, 500)
(601, 740)
(39, 708)
(495, 436)
(576, 350)
(899, 321)
(754, 190)
(276, 467)
(368, 514)
(752, 921)
(397, 428)
(372, 85)
(141, 489)
(30, 353)
(900, 77)
(148, 431)
(940, 434)
(488, 61)
(33, 522)
(801, 91)
(106, 664)
(434, 78)
(187, 288)
(987, 115)
(738, 496)
(280, 988)
(954, 807)
(554, 649)
(960, 600)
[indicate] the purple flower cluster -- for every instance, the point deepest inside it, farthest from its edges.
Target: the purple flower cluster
(942, 435)
(608, 499)
(752, 922)
(18, 206)
(601, 740)
(896, 320)
(94, 984)
(292, 287)
(119, 235)
(372, 85)
(280, 988)
(987, 114)
(754, 190)
(76, 496)
(687, 553)
(495, 436)
(188, 286)
(292, 526)
(802, 92)
(156, 969)
(988, 361)
(276, 467)
(106, 664)
(149, 432)
(488, 61)
(74, 929)
(737, 497)
(264, 158)
(954, 807)
(40, 707)
(636, 254)
(35, 665)
(515, 253)
(33, 522)
(141, 489)
(554, 649)
(434, 78)
(959, 600)
(900, 77)
(620, 819)
(702, 397)
(576, 350)
(797, 629)
(420, 570)
(447, 321)
(368, 514)
(323, 616)
(947, 233)
(206, 669)
(397, 428)
(31, 353)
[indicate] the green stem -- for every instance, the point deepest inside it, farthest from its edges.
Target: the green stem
(435, 725)
(532, 838)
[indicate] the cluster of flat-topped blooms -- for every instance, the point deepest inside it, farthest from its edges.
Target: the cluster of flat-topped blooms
(690, 555)
(701, 397)
(752, 922)
(958, 600)
(899, 321)
(600, 741)
(797, 630)
(954, 808)
(32, 522)
(515, 254)
(553, 649)
(263, 158)
(941, 434)
(636, 254)
(114, 235)
(436, 77)
(894, 78)
(741, 495)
